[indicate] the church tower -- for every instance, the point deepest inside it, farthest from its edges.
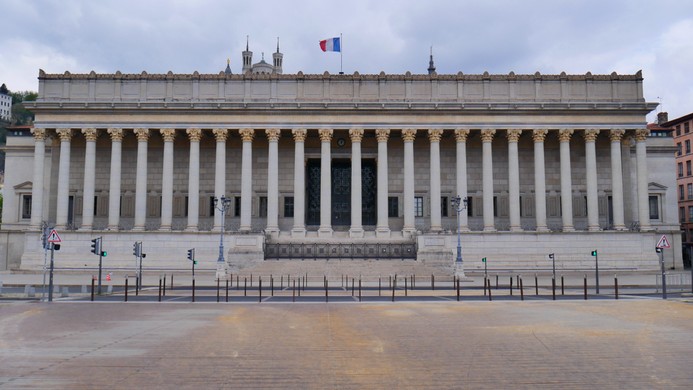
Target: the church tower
(277, 57)
(431, 67)
(247, 58)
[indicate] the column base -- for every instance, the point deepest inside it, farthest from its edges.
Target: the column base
(620, 227)
(85, 228)
(191, 228)
(113, 227)
(138, 228)
(356, 232)
(273, 232)
(436, 229)
(325, 231)
(647, 228)
(463, 229)
(382, 232)
(516, 229)
(165, 228)
(408, 232)
(489, 229)
(244, 229)
(593, 228)
(542, 229)
(298, 232)
(568, 229)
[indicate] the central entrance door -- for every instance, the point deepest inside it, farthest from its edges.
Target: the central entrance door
(341, 192)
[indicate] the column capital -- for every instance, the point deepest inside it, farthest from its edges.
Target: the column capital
(461, 135)
(487, 135)
(325, 135)
(434, 135)
(564, 135)
(90, 134)
(591, 135)
(247, 134)
(220, 134)
(514, 135)
(616, 134)
(194, 134)
(64, 134)
(273, 134)
(356, 134)
(539, 135)
(641, 135)
(168, 134)
(39, 134)
(142, 134)
(408, 135)
(382, 134)
(299, 134)
(116, 134)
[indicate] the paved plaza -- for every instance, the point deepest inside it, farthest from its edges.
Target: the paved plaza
(637, 343)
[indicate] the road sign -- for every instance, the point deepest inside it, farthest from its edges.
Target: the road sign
(663, 243)
(55, 238)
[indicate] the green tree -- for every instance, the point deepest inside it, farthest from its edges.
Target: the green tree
(20, 115)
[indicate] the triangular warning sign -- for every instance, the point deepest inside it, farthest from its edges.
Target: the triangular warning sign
(663, 243)
(54, 237)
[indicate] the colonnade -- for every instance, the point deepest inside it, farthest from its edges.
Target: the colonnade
(356, 134)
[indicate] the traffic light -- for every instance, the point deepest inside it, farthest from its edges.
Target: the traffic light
(195, 262)
(483, 259)
(191, 255)
(658, 250)
(594, 253)
(96, 246)
(104, 253)
(135, 247)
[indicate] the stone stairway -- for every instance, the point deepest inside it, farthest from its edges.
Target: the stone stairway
(334, 268)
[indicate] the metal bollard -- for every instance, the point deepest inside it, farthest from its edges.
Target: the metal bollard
(159, 288)
(259, 289)
(281, 282)
(485, 279)
(352, 287)
(271, 286)
(92, 288)
(496, 282)
(433, 282)
(218, 289)
(490, 298)
(536, 285)
(562, 286)
(164, 290)
(245, 286)
(171, 284)
(227, 290)
(517, 281)
(458, 289)
(251, 280)
(585, 287)
(393, 290)
(137, 285)
(326, 291)
(126, 288)
(238, 285)
(511, 286)
(359, 289)
(615, 287)
(293, 291)
(193, 290)
(406, 282)
(379, 285)
(553, 289)
(411, 284)
(522, 291)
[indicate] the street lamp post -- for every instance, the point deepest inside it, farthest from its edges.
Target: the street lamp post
(460, 204)
(222, 204)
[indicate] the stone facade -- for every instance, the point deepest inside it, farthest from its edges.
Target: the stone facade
(178, 141)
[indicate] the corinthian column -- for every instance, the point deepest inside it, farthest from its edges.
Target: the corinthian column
(325, 229)
(383, 227)
(591, 174)
(61, 216)
(461, 175)
(246, 179)
(167, 180)
(434, 136)
(299, 228)
(408, 135)
(514, 179)
(219, 171)
(643, 184)
(141, 179)
(194, 135)
(566, 182)
(114, 179)
(356, 229)
(38, 178)
(617, 179)
(89, 179)
(273, 180)
(487, 179)
(540, 179)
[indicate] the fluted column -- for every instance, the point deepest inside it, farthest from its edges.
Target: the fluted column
(194, 135)
(591, 174)
(487, 178)
(299, 228)
(219, 171)
(356, 229)
(325, 229)
(38, 178)
(539, 135)
(617, 179)
(167, 180)
(514, 179)
(643, 180)
(408, 135)
(114, 178)
(90, 135)
(61, 216)
(383, 226)
(461, 174)
(141, 179)
(434, 136)
(566, 181)
(273, 180)
(246, 179)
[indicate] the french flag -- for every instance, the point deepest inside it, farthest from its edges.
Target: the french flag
(332, 44)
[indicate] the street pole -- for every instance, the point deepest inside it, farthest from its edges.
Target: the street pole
(596, 269)
(460, 204)
(100, 262)
(50, 278)
(664, 272)
(553, 264)
(44, 242)
(222, 204)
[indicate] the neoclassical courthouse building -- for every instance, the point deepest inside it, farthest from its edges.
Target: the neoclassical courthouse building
(342, 166)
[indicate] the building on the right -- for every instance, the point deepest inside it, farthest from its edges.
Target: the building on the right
(683, 137)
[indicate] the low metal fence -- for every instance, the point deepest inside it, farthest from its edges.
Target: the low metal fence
(400, 251)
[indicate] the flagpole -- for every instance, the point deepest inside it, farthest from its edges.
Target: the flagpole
(341, 53)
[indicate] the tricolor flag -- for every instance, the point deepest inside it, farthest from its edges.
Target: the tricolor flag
(332, 44)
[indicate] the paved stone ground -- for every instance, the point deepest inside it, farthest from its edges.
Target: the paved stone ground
(639, 344)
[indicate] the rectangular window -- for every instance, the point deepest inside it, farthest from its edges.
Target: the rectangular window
(288, 207)
(26, 206)
(211, 206)
(680, 166)
(444, 206)
(678, 130)
(236, 206)
(688, 167)
(688, 146)
(679, 150)
(263, 207)
(392, 207)
(682, 214)
(469, 206)
(690, 191)
(681, 192)
(654, 206)
(686, 128)
(690, 213)
(418, 206)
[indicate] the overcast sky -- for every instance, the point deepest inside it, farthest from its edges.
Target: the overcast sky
(394, 36)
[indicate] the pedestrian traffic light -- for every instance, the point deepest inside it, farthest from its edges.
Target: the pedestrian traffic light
(104, 253)
(96, 246)
(483, 259)
(594, 253)
(195, 262)
(658, 250)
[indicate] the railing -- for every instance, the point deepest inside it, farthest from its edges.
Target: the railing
(675, 282)
(340, 251)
